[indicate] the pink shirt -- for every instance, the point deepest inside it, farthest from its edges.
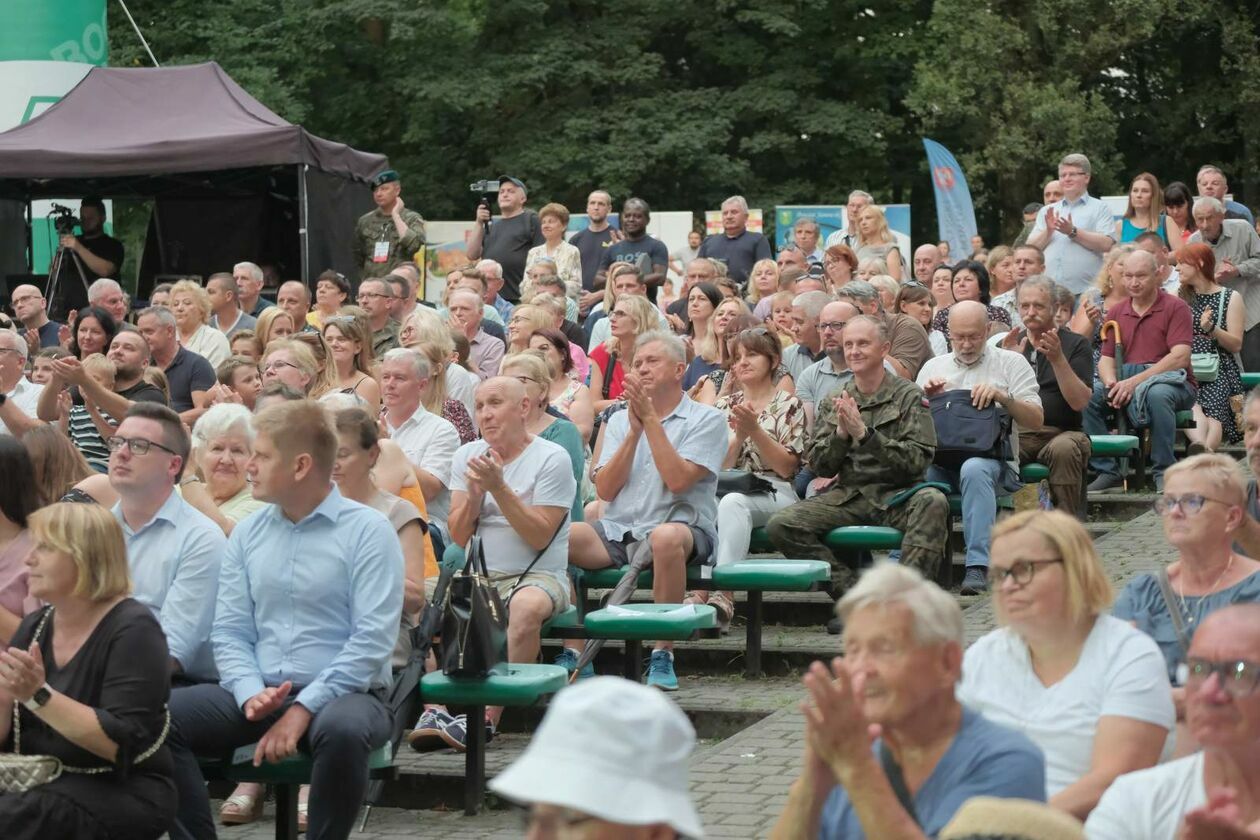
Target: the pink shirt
(13, 593)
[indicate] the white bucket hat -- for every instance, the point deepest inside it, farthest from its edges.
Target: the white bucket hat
(612, 749)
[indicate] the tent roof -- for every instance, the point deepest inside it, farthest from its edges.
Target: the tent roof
(138, 123)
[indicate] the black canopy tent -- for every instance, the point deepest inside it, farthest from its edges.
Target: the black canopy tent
(230, 180)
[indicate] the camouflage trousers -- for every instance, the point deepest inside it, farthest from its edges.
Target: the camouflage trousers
(923, 519)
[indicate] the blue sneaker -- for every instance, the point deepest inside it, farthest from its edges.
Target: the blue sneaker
(661, 671)
(569, 659)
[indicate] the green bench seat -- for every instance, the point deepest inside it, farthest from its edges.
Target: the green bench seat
(658, 622)
(774, 574)
(1113, 446)
(1250, 380)
(519, 685)
(1185, 419)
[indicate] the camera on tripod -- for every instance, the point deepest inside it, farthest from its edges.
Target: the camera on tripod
(64, 219)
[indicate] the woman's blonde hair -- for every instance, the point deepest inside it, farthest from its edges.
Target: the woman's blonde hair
(1089, 590)
(537, 317)
(431, 337)
(646, 317)
(92, 537)
(352, 323)
(200, 297)
(267, 323)
(302, 355)
(536, 366)
(754, 295)
(1221, 471)
(326, 379)
(882, 234)
(1102, 282)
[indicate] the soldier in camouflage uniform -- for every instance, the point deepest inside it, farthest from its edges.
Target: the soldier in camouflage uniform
(389, 235)
(875, 435)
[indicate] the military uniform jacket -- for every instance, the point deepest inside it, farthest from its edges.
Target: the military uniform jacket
(378, 226)
(896, 453)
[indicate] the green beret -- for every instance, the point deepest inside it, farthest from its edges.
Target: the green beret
(384, 178)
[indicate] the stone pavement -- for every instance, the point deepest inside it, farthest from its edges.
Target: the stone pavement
(740, 783)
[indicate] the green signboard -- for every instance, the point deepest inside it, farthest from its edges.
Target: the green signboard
(54, 30)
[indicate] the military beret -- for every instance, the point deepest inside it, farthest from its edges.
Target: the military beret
(385, 177)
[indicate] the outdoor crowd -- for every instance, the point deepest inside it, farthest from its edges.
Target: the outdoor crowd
(221, 515)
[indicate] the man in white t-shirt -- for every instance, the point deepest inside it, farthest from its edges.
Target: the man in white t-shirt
(1223, 713)
(515, 491)
(429, 440)
(18, 395)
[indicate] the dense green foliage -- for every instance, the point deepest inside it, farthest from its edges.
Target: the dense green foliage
(786, 101)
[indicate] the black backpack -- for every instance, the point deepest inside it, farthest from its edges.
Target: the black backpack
(964, 431)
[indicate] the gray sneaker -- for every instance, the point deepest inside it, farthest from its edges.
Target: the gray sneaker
(975, 581)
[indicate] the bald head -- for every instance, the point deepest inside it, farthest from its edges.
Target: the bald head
(968, 314)
(29, 306)
(502, 406)
(926, 259)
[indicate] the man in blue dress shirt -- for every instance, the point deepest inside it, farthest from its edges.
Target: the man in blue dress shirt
(310, 596)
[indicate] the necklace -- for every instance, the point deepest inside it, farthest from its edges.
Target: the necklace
(1181, 590)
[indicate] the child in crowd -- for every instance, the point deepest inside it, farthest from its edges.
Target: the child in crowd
(42, 366)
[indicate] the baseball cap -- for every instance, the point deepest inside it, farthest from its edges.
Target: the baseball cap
(613, 749)
(508, 179)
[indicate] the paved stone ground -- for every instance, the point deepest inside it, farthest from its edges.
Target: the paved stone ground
(740, 783)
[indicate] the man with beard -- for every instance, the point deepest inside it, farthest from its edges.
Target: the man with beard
(647, 252)
(130, 354)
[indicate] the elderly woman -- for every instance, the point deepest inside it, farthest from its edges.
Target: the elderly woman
(567, 396)
(1218, 314)
(332, 290)
(272, 324)
(94, 329)
(19, 498)
(1108, 291)
(525, 321)
(87, 679)
(971, 282)
(631, 317)
(349, 340)
(1087, 688)
(763, 282)
(554, 220)
(877, 241)
(215, 481)
(451, 386)
(191, 306)
(291, 363)
(840, 265)
(1203, 506)
(887, 288)
(767, 438)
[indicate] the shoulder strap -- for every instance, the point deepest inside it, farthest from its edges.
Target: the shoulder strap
(1220, 307)
(612, 363)
(1174, 611)
(898, 782)
(563, 521)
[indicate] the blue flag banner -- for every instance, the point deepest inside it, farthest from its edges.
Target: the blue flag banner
(955, 216)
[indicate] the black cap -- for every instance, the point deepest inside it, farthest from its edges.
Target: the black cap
(386, 177)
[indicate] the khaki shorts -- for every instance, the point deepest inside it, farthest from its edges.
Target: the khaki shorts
(559, 594)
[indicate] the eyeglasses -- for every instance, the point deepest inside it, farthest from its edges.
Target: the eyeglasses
(1021, 571)
(12, 350)
(363, 296)
(270, 366)
(1239, 678)
(24, 299)
(138, 446)
(1188, 503)
(832, 326)
(524, 379)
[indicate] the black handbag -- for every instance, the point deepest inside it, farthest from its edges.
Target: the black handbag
(741, 481)
(474, 621)
(964, 431)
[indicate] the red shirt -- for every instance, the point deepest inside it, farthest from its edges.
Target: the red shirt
(615, 385)
(1149, 337)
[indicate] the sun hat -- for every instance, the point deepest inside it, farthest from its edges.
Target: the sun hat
(613, 749)
(1020, 819)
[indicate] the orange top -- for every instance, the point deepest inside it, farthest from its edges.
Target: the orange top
(413, 495)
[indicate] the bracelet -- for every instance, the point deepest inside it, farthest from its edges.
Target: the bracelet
(189, 479)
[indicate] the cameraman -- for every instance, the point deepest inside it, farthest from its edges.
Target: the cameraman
(101, 255)
(510, 237)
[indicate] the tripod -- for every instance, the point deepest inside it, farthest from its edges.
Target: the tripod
(54, 279)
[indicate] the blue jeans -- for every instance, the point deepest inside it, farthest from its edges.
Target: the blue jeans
(979, 481)
(205, 720)
(1163, 401)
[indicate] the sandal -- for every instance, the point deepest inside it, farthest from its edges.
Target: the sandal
(302, 806)
(721, 602)
(241, 808)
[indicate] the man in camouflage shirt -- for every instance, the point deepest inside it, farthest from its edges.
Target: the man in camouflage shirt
(391, 234)
(875, 434)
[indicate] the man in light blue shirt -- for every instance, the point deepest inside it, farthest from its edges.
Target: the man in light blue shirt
(173, 549)
(1075, 231)
(307, 616)
(658, 472)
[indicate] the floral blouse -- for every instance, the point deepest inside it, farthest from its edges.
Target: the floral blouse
(783, 419)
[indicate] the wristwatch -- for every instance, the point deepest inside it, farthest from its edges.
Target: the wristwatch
(1072, 235)
(3, 399)
(39, 699)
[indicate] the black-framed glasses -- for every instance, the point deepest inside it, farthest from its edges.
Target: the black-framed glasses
(12, 350)
(1189, 503)
(1021, 571)
(832, 326)
(138, 446)
(369, 295)
(1239, 677)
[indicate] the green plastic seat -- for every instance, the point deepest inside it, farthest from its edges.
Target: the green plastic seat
(1185, 419)
(608, 578)
(1113, 445)
(1250, 380)
(760, 542)
(566, 620)
(294, 770)
(519, 685)
(955, 503)
(660, 622)
(1033, 472)
(772, 575)
(863, 537)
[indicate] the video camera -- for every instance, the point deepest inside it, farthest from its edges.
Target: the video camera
(64, 219)
(488, 190)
